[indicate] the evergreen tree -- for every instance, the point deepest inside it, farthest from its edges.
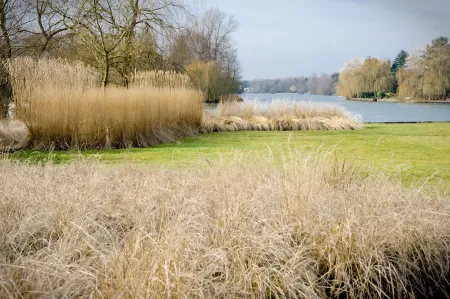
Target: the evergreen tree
(399, 61)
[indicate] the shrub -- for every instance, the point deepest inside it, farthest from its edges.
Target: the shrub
(390, 95)
(381, 95)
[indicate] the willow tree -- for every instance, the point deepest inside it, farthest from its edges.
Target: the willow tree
(410, 83)
(350, 79)
(436, 62)
(372, 76)
(427, 73)
(376, 75)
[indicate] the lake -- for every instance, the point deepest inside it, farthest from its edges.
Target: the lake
(369, 111)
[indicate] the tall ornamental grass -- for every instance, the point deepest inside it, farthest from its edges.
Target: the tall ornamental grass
(278, 116)
(308, 228)
(63, 107)
(160, 79)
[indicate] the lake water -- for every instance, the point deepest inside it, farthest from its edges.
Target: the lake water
(369, 111)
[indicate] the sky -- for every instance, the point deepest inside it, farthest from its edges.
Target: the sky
(282, 38)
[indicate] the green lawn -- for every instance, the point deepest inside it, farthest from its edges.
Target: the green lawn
(414, 150)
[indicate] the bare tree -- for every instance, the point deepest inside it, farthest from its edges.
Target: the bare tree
(49, 23)
(211, 36)
(325, 85)
(108, 28)
(14, 18)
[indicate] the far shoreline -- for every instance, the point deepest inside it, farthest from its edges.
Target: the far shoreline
(394, 100)
(386, 100)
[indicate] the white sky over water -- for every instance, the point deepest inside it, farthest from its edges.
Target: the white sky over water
(279, 38)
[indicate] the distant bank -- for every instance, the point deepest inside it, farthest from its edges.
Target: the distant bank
(394, 100)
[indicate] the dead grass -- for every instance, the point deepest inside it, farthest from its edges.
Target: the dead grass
(112, 118)
(239, 229)
(13, 135)
(160, 79)
(278, 116)
(63, 108)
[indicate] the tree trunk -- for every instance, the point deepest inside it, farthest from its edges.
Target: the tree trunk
(105, 72)
(5, 30)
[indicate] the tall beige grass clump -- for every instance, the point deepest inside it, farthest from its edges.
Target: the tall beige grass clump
(160, 79)
(312, 228)
(278, 116)
(13, 135)
(27, 74)
(63, 108)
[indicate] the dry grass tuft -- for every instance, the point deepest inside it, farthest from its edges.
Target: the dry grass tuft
(310, 229)
(278, 116)
(63, 108)
(13, 135)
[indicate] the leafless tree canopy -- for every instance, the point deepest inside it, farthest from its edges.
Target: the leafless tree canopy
(120, 37)
(209, 40)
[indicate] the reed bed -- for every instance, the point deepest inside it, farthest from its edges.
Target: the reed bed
(312, 228)
(160, 79)
(27, 75)
(63, 108)
(278, 116)
(112, 118)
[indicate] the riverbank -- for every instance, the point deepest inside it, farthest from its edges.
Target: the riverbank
(389, 100)
(394, 100)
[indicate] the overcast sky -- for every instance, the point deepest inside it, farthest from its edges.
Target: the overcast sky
(280, 38)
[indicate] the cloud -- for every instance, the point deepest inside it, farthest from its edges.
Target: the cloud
(425, 8)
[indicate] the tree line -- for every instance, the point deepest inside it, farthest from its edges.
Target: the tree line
(425, 75)
(120, 37)
(323, 84)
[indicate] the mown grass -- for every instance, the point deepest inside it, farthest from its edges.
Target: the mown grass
(412, 150)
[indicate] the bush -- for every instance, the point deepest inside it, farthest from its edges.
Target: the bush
(381, 95)
(367, 95)
(391, 94)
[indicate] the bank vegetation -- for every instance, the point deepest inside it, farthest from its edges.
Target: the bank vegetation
(120, 38)
(423, 76)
